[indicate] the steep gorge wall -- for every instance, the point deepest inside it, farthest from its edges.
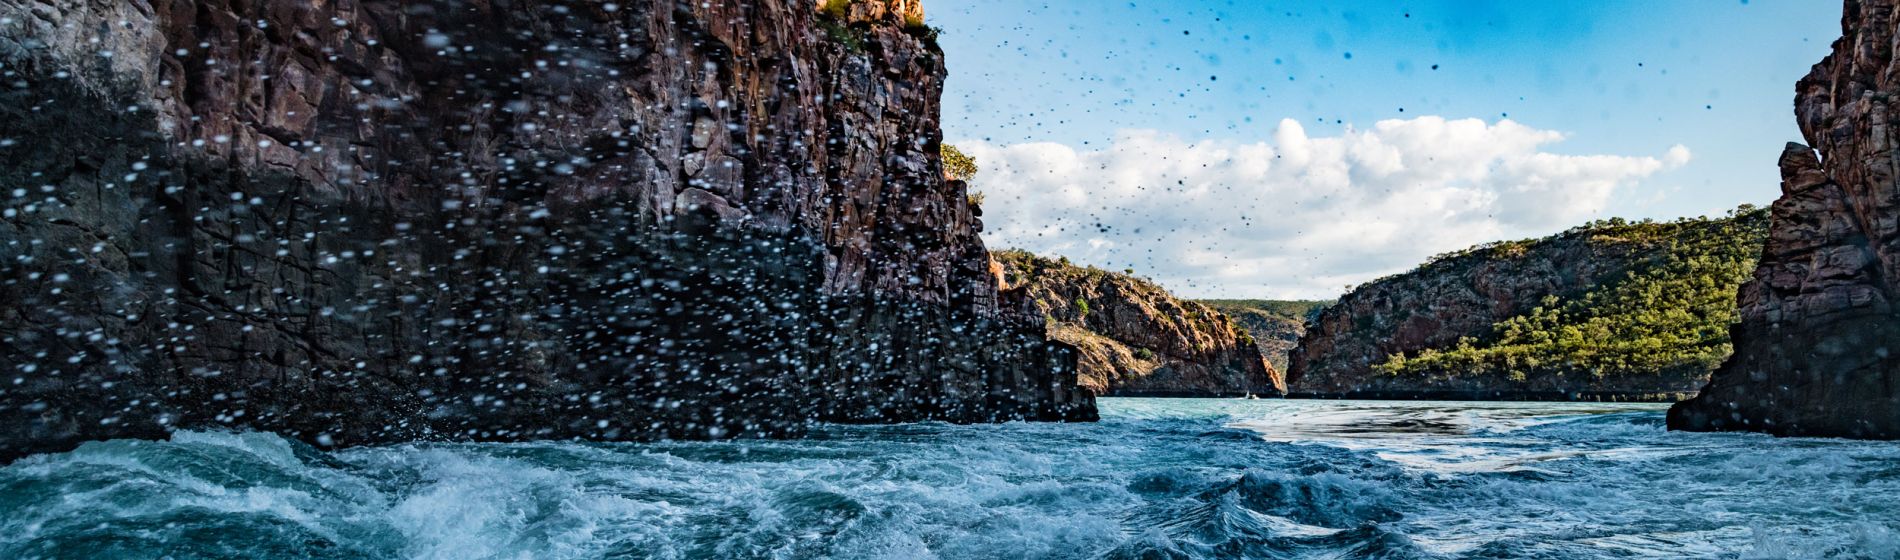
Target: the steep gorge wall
(1276, 325)
(359, 221)
(1817, 351)
(1135, 338)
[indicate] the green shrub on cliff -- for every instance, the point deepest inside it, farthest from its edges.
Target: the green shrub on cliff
(1667, 315)
(956, 165)
(832, 16)
(960, 167)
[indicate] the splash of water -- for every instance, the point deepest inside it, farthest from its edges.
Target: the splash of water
(1157, 478)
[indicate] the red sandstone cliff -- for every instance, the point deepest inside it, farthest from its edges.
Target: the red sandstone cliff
(1817, 351)
(359, 221)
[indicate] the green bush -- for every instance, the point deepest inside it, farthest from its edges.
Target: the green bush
(842, 34)
(956, 165)
(837, 9)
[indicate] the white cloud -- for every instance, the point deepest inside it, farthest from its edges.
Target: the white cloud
(1300, 216)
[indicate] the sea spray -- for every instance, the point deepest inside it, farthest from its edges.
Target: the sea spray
(1157, 478)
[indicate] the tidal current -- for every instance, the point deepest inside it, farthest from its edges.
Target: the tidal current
(1156, 478)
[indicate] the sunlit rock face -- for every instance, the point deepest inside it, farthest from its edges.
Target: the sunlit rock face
(1818, 345)
(357, 221)
(1135, 338)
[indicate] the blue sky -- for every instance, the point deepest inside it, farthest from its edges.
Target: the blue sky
(1622, 78)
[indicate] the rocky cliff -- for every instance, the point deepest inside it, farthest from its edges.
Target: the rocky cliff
(1612, 310)
(1817, 350)
(356, 221)
(1276, 325)
(1135, 338)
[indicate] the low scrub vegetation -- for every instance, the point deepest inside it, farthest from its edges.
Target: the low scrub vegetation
(1668, 314)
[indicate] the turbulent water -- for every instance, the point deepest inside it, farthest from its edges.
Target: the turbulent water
(1157, 478)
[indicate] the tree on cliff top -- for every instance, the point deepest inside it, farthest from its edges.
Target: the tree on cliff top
(960, 167)
(956, 165)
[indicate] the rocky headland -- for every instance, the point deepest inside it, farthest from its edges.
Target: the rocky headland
(357, 222)
(1817, 349)
(1135, 338)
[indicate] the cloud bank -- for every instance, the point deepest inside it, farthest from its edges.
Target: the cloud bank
(1298, 216)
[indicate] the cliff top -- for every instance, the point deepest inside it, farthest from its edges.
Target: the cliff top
(907, 12)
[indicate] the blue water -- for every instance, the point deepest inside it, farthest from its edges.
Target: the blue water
(1157, 478)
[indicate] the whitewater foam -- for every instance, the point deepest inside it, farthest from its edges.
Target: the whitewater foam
(1156, 478)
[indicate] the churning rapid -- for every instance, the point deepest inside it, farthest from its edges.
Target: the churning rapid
(1157, 478)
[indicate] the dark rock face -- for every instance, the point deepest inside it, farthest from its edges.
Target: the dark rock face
(1817, 351)
(358, 221)
(1135, 338)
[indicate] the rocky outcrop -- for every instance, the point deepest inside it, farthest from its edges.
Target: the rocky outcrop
(1276, 325)
(356, 222)
(1135, 338)
(1817, 350)
(1608, 311)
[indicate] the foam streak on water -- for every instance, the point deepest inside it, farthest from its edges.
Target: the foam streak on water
(1157, 478)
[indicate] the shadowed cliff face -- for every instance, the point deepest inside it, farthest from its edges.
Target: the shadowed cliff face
(1134, 337)
(1815, 351)
(358, 222)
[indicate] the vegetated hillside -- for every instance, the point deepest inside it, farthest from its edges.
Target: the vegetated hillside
(1609, 310)
(1136, 338)
(1276, 325)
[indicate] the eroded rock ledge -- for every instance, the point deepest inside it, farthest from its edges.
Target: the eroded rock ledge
(357, 221)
